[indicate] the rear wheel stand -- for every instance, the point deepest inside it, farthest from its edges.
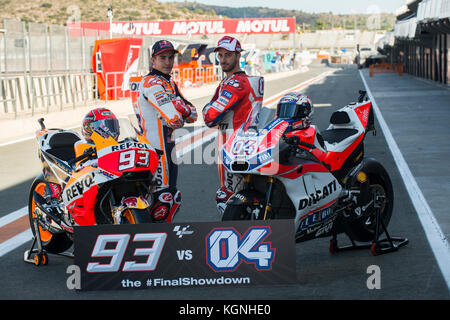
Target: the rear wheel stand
(377, 246)
(40, 255)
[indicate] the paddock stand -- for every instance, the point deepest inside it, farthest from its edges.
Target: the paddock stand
(40, 255)
(377, 246)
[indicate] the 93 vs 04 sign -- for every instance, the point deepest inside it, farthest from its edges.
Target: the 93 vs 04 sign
(185, 254)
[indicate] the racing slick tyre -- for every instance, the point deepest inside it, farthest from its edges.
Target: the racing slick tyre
(136, 216)
(234, 213)
(51, 242)
(363, 229)
(238, 212)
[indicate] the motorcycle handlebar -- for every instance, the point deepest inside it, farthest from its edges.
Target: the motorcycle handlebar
(41, 122)
(295, 141)
(86, 154)
(362, 95)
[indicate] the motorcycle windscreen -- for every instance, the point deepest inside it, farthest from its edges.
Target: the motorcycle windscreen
(254, 149)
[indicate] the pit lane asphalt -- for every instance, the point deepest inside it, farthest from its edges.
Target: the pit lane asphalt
(410, 273)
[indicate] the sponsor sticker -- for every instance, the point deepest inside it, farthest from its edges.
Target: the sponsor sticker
(217, 106)
(227, 94)
(223, 101)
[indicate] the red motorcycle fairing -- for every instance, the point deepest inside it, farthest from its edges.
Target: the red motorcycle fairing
(82, 209)
(352, 122)
(80, 194)
(128, 156)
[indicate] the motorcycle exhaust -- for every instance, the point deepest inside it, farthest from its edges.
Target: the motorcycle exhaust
(364, 194)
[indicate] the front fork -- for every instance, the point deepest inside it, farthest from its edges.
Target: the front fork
(269, 188)
(268, 208)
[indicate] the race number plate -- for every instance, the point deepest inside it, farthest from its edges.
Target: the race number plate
(185, 254)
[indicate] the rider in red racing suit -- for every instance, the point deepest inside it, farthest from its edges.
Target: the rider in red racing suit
(237, 99)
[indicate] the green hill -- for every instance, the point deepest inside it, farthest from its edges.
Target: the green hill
(312, 21)
(59, 12)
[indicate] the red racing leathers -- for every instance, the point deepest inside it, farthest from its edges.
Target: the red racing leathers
(237, 99)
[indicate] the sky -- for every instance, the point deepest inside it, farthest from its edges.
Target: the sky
(315, 6)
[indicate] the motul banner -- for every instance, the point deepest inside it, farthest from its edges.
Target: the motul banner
(195, 27)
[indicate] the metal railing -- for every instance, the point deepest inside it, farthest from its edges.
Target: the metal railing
(9, 94)
(46, 68)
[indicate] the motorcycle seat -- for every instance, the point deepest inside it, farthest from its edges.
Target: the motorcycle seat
(343, 130)
(338, 140)
(61, 145)
(333, 136)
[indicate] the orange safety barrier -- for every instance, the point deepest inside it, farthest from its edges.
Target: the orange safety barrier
(176, 76)
(386, 68)
(185, 76)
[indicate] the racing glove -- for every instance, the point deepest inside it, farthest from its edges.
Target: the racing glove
(205, 112)
(174, 123)
(182, 108)
(193, 116)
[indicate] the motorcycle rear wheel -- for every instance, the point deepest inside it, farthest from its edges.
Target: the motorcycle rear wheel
(51, 242)
(364, 229)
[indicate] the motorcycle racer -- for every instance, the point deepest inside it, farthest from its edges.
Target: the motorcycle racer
(238, 98)
(161, 109)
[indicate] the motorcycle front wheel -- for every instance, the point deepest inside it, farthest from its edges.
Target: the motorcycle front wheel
(239, 212)
(136, 216)
(51, 242)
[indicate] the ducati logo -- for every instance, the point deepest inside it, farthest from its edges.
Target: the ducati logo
(319, 195)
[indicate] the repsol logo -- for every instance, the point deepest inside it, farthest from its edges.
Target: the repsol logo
(78, 187)
(319, 195)
(134, 86)
(128, 145)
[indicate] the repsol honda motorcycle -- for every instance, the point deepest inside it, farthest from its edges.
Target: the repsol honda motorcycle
(108, 184)
(321, 181)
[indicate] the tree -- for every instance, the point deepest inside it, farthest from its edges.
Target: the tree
(320, 24)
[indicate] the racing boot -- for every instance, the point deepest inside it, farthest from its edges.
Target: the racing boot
(167, 204)
(161, 208)
(175, 206)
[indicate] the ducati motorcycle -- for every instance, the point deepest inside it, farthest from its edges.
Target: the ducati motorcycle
(321, 181)
(109, 184)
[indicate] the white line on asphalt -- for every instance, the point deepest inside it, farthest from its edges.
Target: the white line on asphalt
(436, 238)
(13, 216)
(302, 85)
(25, 236)
(15, 241)
(196, 144)
(188, 136)
(4, 144)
